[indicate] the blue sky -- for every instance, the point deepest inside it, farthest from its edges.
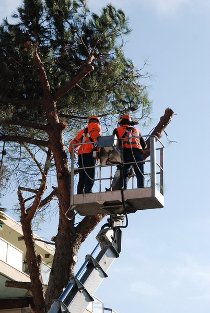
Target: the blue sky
(165, 262)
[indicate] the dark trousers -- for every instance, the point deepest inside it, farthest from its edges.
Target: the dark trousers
(86, 175)
(135, 156)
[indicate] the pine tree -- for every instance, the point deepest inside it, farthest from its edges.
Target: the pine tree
(59, 63)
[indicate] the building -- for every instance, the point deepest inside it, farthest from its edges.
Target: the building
(13, 268)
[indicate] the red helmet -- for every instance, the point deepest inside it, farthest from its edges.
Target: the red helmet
(93, 119)
(125, 117)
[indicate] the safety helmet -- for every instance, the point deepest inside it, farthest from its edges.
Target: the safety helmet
(126, 118)
(93, 119)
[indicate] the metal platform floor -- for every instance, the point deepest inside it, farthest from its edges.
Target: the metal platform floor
(110, 202)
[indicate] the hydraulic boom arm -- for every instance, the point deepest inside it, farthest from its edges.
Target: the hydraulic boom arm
(81, 288)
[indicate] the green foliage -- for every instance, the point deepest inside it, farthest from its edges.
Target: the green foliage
(67, 34)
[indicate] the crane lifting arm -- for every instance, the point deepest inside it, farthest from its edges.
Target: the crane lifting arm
(81, 288)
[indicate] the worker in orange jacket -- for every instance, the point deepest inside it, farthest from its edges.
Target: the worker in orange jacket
(132, 145)
(85, 143)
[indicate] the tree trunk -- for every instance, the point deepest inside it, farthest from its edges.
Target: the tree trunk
(159, 129)
(63, 258)
(34, 267)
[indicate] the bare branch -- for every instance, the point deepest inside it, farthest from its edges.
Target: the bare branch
(48, 198)
(30, 198)
(45, 241)
(33, 158)
(28, 189)
(32, 210)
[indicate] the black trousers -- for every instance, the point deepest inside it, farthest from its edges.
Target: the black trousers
(86, 175)
(135, 158)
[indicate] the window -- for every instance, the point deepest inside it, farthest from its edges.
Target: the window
(11, 255)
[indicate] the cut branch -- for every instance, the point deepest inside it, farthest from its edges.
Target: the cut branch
(159, 129)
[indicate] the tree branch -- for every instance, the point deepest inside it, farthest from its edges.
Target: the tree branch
(42, 73)
(158, 130)
(83, 117)
(32, 210)
(33, 158)
(85, 227)
(48, 198)
(23, 124)
(28, 189)
(19, 102)
(22, 139)
(71, 84)
(21, 202)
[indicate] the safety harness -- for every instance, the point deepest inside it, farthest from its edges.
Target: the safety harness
(130, 138)
(85, 135)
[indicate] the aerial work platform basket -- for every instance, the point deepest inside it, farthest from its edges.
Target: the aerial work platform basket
(106, 198)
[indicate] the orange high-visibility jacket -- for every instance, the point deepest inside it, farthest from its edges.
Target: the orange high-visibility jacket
(85, 137)
(129, 137)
